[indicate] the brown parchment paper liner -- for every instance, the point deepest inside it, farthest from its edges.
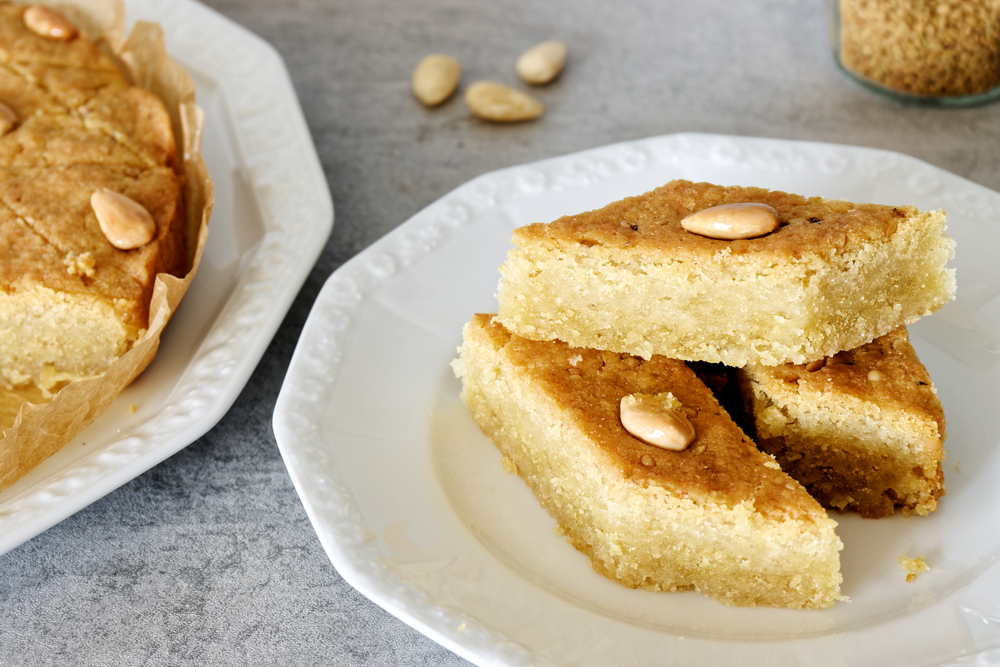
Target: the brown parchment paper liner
(40, 429)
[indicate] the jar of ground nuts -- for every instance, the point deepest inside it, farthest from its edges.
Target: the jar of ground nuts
(943, 52)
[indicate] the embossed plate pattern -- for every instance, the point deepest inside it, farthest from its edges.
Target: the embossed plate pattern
(272, 217)
(412, 506)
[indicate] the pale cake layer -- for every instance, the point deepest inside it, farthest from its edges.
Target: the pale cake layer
(30, 353)
(864, 432)
(719, 517)
(80, 127)
(629, 278)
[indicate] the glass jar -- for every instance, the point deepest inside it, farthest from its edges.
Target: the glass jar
(938, 52)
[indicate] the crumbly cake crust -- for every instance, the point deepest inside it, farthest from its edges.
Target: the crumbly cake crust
(719, 517)
(864, 432)
(629, 278)
(70, 302)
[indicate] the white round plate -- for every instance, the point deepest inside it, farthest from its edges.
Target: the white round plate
(412, 505)
(272, 217)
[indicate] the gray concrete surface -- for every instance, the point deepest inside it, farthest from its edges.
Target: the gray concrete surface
(208, 558)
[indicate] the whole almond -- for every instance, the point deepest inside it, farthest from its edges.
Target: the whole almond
(733, 221)
(48, 23)
(8, 119)
(542, 62)
(501, 104)
(435, 78)
(124, 221)
(656, 423)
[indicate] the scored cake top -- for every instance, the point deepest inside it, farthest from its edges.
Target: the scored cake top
(76, 125)
(720, 465)
(652, 222)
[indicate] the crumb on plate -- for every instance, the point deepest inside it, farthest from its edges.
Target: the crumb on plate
(913, 566)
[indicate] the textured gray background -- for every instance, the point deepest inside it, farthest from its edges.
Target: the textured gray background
(209, 558)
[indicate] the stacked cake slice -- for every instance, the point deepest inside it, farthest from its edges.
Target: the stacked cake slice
(628, 277)
(599, 307)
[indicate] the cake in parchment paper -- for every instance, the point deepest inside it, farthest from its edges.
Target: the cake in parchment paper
(71, 303)
(89, 112)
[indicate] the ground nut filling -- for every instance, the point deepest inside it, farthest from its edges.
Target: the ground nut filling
(816, 365)
(733, 221)
(657, 420)
(946, 48)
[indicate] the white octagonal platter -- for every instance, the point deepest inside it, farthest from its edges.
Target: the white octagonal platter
(272, 217)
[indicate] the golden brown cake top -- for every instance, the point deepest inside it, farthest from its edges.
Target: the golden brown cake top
(885, 372)
(20, 46)
(79, 127)
(721, 465)
(651, 223)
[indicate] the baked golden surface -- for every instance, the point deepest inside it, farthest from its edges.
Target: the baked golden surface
(70, 302)
(629, 278)
(864, 432)
(719, 517)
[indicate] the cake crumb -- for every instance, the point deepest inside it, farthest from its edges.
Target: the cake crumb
(509, 466)
(958, 465)
(80, 265)
(913, 566)
(132, 408)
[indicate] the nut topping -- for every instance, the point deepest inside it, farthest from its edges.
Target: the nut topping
(733, 221)
(48, 23)
(8, 119)
(125, 222)
(657, 422)
(542, 62)
(436, 78)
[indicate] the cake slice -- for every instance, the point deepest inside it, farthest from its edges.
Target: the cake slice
(862, 430)
(628, 277)
(719, 517)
